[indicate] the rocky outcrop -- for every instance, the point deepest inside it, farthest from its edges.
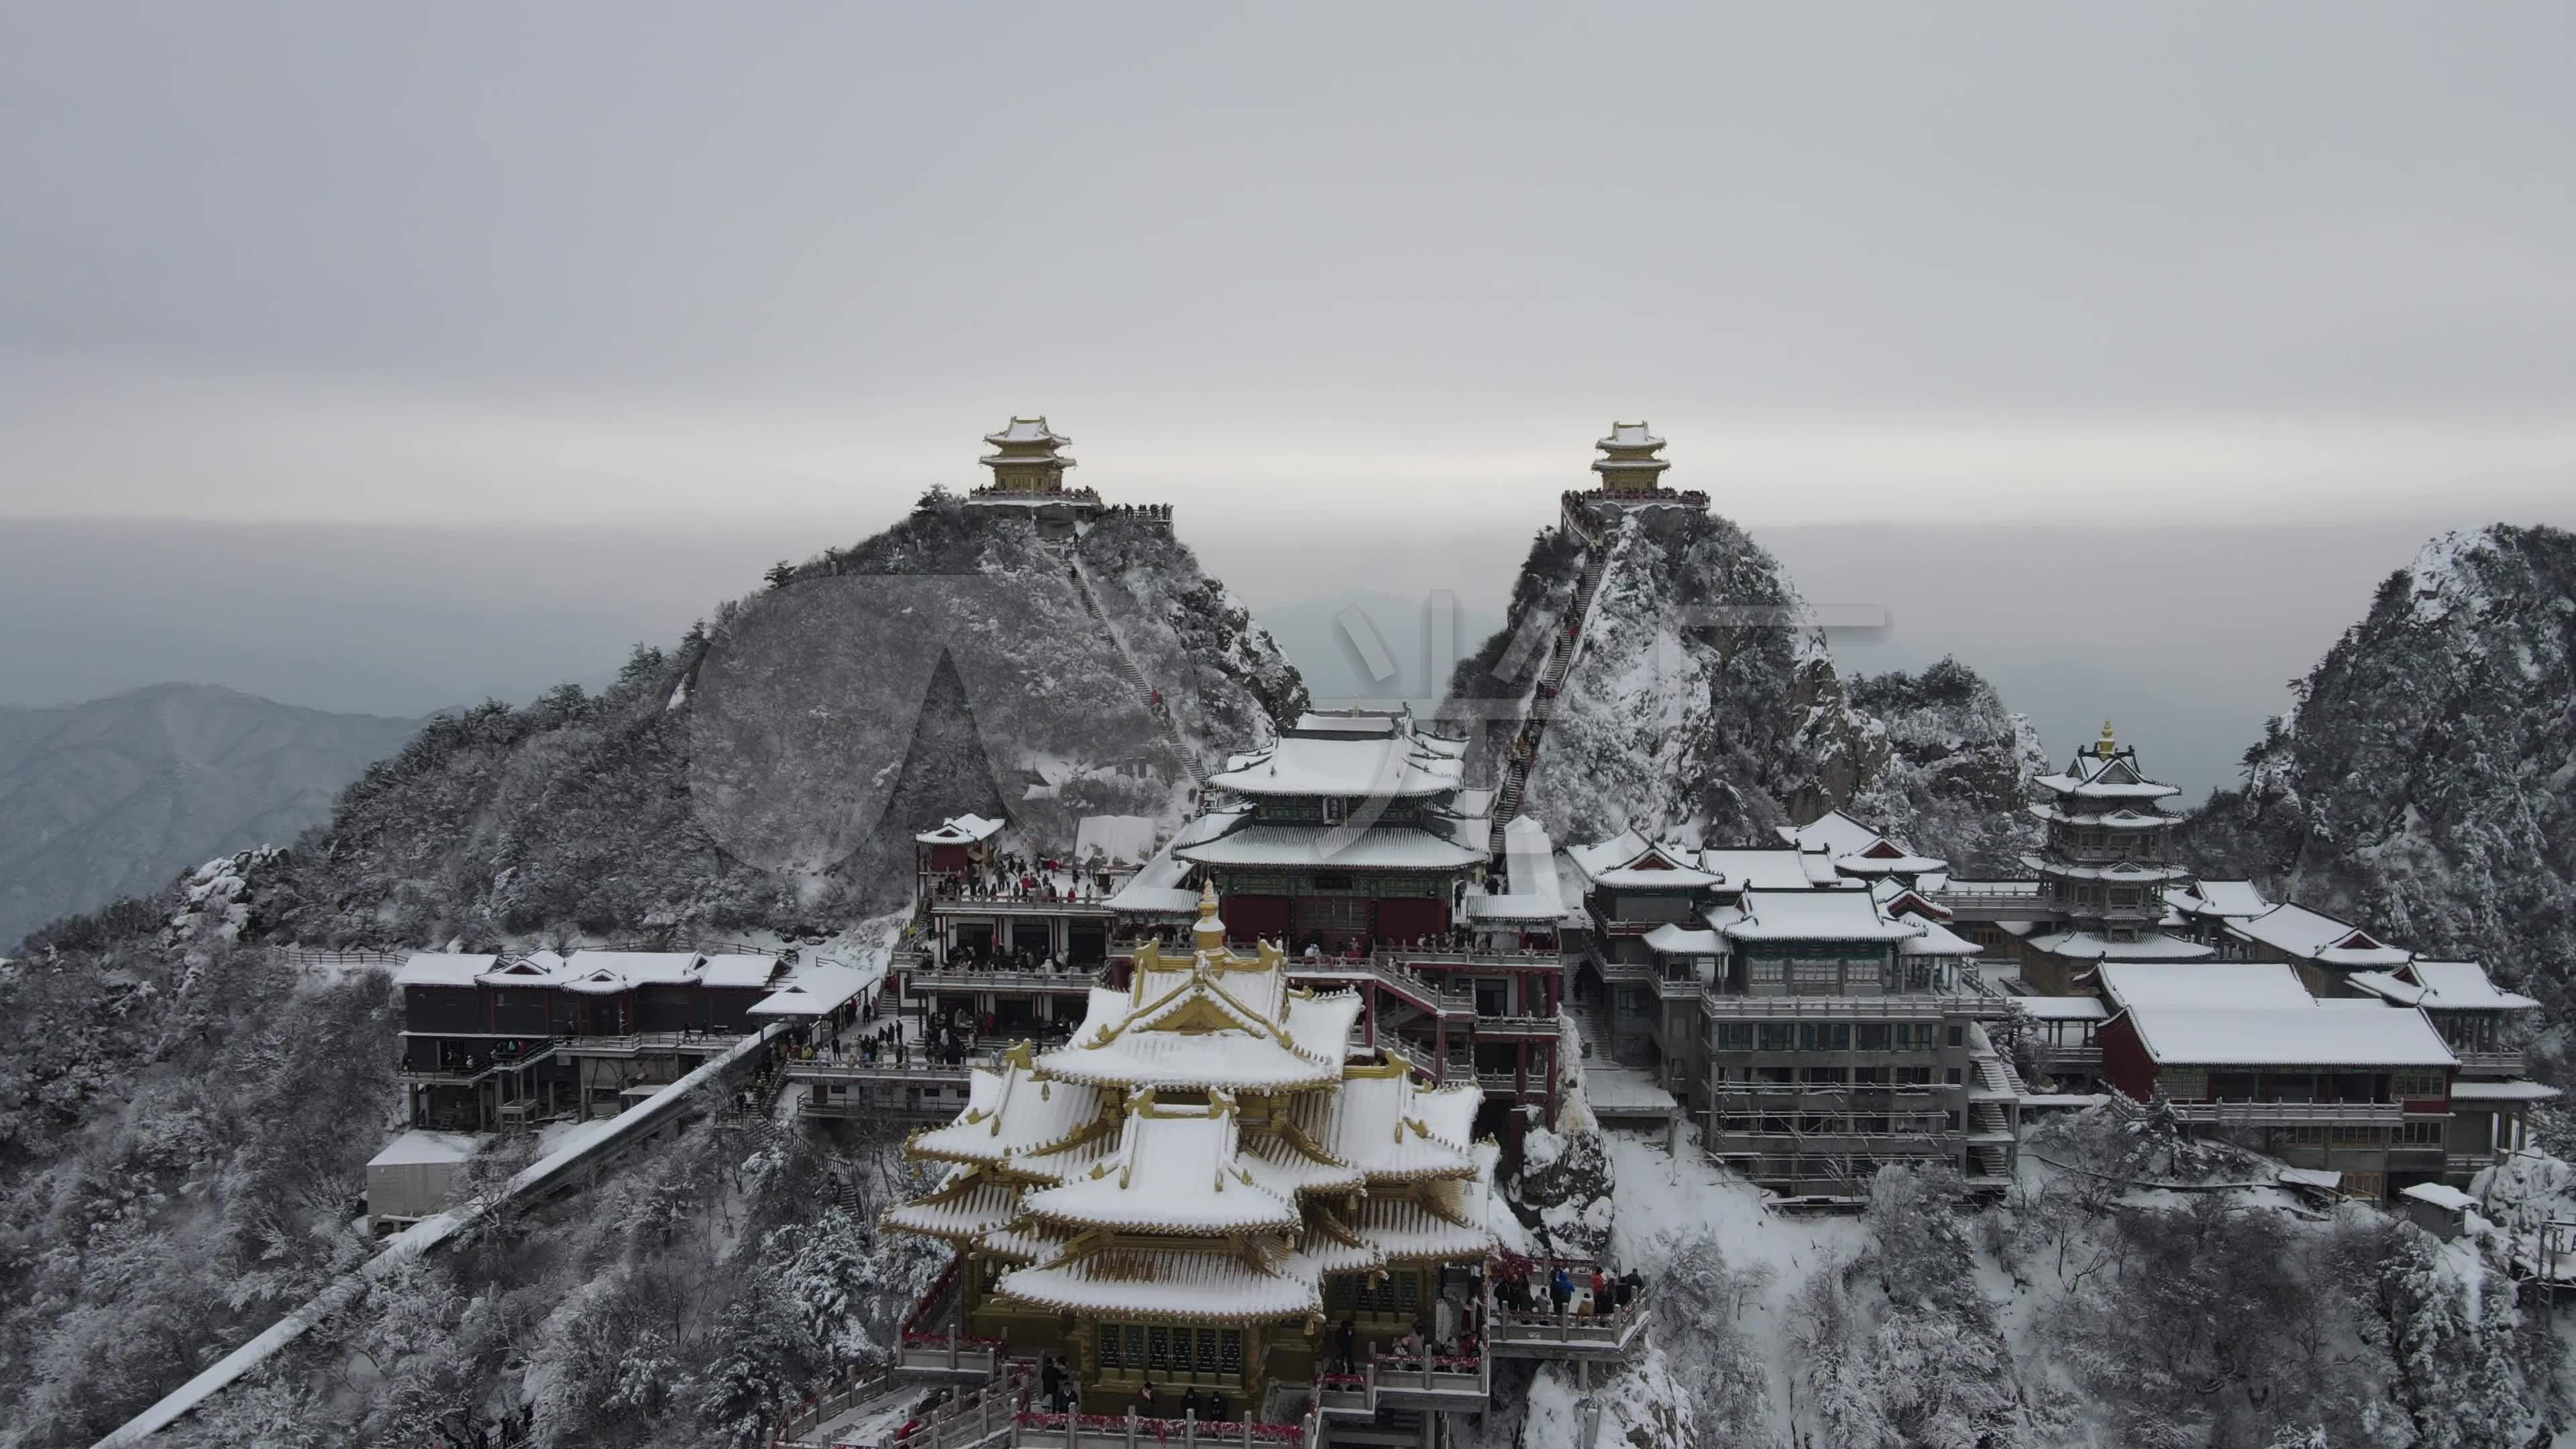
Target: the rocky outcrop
(1704, 704)
(2424, 784)
(769, 771)
(1952, 766)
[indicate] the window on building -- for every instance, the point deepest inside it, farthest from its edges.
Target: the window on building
(1958, 1034)
(1824, 1076)
(1158, 1347)
(1824, 1036)
(1779, 1036)
(1817, 978)
(1768, 970)
(2423, 1132)
(1873, 1036)
(2358, 1137)
(1953, 1076)
(1332, 810)
(2415, 1086)
(1950, 1120)
(1914, 1076)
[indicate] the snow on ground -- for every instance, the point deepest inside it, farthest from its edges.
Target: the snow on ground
(1663, 1199)
(876, 1420)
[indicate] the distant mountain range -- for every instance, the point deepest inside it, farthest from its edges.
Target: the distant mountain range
(112, 797)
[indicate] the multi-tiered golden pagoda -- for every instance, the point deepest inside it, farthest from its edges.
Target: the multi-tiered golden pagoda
(1202, 1179)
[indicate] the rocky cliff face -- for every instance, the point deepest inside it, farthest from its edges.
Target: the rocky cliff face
(1954, 767)
(1704, 704)
(770, 770)
(2425, 782)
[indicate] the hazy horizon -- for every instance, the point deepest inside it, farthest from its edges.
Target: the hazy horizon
(403, 621)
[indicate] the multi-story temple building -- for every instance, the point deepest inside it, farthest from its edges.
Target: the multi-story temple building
(1190, 1189)
(1803, 1002)
(2102, 871)
(1353, 829)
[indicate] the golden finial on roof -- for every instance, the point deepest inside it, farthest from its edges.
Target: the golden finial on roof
(2105, 746)
(1209, 933)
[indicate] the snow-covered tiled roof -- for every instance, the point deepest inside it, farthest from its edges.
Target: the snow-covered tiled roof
(2310, 1035)
(1284, 1167)
(2118, 872)
(1208, 1018)
(423, 1148)
(2516, 1091)
(1175, 1170)
(1380, 847)
(1027, 430)
(1836, 834)
(442, 968)
(1407, 1231)
(1936, 940)
(1628, 861)
(1816, 916)
(637, 968)
(1672, 940)
(738, 972)
(961, 830)
(1212, 1285)
(2311, 935)
(2122, 817)
(2201, 983)
(963, 1208)
(1395, 767)
(1011, 1114)
(1322, 1250)
(2086, 946)
(817, 989)
(2434, 1194)
(1630, 435)
(2235, 898)
(2442, 986)
(1771, 868)
(1898, 863)
(2095, 776)
(2062, 1008)
(1380, 1123)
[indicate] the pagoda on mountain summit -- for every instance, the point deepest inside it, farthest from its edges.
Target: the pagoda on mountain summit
(1196, 1182)
(1631, 471)
(1028, 463)
(1628, 464)
(1027, 458)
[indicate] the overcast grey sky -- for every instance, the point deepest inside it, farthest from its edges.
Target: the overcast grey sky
(1355, 286)
(563, 261)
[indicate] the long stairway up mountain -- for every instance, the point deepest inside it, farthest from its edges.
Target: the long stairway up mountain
(1153, 701)
(1507, 803)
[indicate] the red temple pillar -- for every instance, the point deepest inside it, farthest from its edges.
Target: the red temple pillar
(1439, 1048)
